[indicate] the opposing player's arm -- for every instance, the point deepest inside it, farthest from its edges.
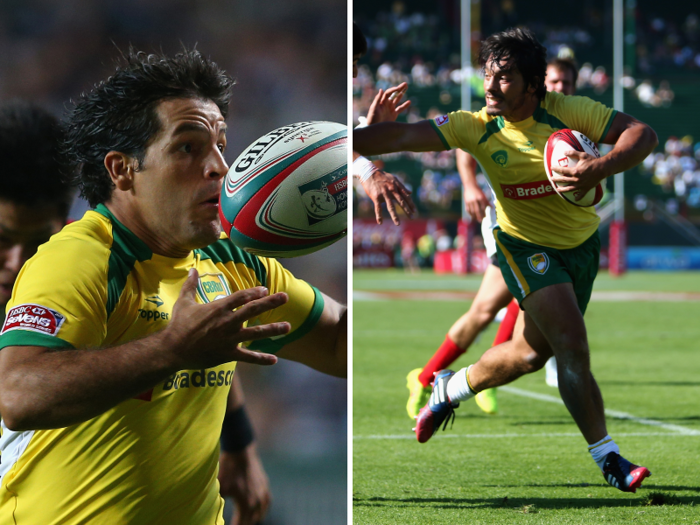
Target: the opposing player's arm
(241, 473)
(390, 137)
(324, 347)
(47, 388)
(381, 186)
(474, 199)
(633, 142)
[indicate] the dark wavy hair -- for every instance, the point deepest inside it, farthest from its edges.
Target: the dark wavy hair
(32, 160)
(119, 114)
(520, 47)
(359, 42)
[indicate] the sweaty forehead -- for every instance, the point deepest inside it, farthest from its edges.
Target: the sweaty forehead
(500, 65)
(174, 113)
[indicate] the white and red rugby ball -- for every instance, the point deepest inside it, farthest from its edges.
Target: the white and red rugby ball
(286, 194)
(557, 145)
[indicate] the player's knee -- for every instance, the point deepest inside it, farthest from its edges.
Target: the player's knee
(483, 314)
(533, 361)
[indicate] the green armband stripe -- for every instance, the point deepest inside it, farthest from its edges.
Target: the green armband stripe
(272, 346)
(607, 128)
(439, 134)
(27, 338)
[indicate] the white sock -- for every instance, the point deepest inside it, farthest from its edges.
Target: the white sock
(458, 387)
(600, 450)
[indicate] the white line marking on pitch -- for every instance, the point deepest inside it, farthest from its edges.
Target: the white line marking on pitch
(611, 413)
(411, 435)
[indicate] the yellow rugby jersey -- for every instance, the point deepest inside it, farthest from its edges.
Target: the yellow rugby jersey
(512, 153)
(152, 459)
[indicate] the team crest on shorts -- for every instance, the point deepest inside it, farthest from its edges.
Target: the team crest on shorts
(538, 263)
(212, 286)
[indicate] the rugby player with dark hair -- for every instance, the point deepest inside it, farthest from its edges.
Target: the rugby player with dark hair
(507, 137)
(493, 293)
(34, 200)
(121, 337)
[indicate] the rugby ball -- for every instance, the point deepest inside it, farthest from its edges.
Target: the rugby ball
(554, 156)
(286, 194)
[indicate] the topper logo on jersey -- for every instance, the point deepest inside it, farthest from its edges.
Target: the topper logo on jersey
(538, 263)
(212, 286)
(34, 318)
(527, 190)
(325, 197)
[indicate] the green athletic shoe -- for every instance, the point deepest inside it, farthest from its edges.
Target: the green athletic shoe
(487, 401)
(418, 394)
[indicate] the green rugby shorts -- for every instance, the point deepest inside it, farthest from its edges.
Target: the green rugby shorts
(527, 267)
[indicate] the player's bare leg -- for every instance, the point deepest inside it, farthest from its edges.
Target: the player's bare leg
(551, 323)
(492, 295)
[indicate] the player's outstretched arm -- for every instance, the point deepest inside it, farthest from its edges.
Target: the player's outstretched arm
(44, 388)
(474, 199)
(386, 105)
(633, 141)
(381, 186)
(241, 473)
(390, 137)
(324, 348)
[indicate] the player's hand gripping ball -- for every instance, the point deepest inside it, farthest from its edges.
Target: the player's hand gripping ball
(560, 142)
(287, 194)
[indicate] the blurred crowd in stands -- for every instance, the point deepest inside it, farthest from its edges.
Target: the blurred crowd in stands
(677, 170)
(422, 49)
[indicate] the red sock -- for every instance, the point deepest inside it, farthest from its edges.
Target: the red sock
(505, 331)
(444, 357)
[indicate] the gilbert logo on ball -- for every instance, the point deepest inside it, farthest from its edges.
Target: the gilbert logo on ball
(557, 145)
(286, 194)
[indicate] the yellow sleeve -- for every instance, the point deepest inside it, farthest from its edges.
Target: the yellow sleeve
(459, 129)
(583, 114)
(59, 298)
(302, 311)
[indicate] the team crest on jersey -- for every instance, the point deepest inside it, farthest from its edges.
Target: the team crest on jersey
(538, 263)
(35, 318)
(500, 158)
(212, 286)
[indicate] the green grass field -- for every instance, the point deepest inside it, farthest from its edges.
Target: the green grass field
(527, 464)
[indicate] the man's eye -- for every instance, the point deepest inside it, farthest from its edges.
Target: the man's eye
(221, 147)
(186, 148)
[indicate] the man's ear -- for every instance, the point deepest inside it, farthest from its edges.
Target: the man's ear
(532, 87)
(121, 169)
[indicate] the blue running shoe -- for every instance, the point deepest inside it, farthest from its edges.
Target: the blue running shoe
(622, 474)
(438, 410)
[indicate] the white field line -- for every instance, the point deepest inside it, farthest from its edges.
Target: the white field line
(411, 435)
(676, 429)
(610, 413)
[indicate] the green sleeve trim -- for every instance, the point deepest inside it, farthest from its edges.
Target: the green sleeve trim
(271, 346)
(607, 128)
(439, 134)
(27, 338)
